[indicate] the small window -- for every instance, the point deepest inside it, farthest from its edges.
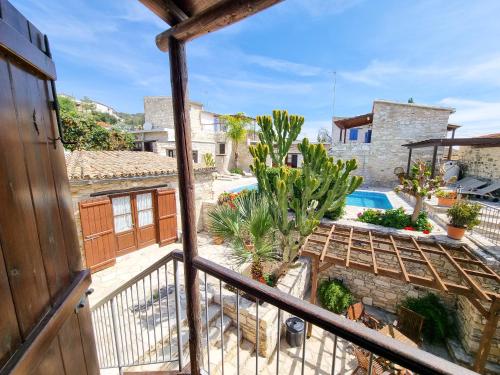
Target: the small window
(171, 153)
(122, 214)
(368, 136)
(353, 134)
(222, 149)
(195, 156)
(144, 204)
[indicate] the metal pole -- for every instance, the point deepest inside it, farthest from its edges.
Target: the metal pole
(115, 334)
(178, 315)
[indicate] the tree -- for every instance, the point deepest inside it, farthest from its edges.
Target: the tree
(248, 227)
(419, 185)
(324, 136)
(320, 185)
(236, 131)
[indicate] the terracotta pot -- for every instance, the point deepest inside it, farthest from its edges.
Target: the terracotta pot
(218, 240)
(446, 202)
(455, 233)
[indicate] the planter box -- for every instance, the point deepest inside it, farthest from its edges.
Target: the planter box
(446, 202)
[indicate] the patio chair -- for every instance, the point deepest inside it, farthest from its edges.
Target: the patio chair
(410, 324)
(363, 364)
(485, 191)
(469, 183)
(357, 312)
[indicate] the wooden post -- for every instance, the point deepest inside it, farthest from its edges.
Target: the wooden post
(450, 148)
(345, 133)
(434, 157)
(180, 103)
(314, 287)
(488, 334)
(409, 162)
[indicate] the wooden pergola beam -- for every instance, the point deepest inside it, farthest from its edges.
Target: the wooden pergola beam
(429, 265)
(400, 261)
(372, 250)
(218, 16)
(349, 243)
(167, 10)
(489, 331)
(323, 252)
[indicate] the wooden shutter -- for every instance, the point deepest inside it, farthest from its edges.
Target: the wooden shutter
(99, 242)
(167, 217)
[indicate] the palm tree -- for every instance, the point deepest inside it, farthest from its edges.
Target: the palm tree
(249, 229)
(236, 131)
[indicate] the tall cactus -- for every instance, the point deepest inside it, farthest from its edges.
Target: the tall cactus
(320, 185)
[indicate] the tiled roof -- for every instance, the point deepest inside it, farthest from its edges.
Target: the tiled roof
(97, 165)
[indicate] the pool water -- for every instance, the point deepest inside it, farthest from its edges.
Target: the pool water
(360, 198)
(369, 199)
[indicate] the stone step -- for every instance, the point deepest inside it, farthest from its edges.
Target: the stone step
(246, 348)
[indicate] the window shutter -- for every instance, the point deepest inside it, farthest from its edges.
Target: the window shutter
(167, 216)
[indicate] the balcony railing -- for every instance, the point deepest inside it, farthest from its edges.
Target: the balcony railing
(489, 226)
(143, 322)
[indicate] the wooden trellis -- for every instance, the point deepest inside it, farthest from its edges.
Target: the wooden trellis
(421, 262)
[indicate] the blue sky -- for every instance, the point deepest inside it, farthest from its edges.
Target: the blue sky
(438, 52)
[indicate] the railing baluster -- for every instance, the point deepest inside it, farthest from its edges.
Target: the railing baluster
(161, 315)
(147, 317)
(221, 324)
(334, 355)
(153, 317)
(115, 333)
(238, 331)
(278, 343)
(109, 335)
(123, 333)
(178, 316)
(138, 309)
(257, 336)
(130, 325)
(168, 313)
(98, 324)
(370, 363)
(206, 323)
(304, 348)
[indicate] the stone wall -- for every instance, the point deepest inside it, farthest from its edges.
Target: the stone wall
(395, 124)
(81, 190)
(481, 161)
(295, 283)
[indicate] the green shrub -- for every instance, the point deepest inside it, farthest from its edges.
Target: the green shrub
(464, 214)
(236, 171)
(336, 213)
(395, 218)
(334, 296)
(439, 322)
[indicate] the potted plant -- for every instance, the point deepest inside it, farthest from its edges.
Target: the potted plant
(446, 198)
(463, 215)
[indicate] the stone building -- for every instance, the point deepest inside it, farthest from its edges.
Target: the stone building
(126, 200)
(483, 162)
(375, 139)
(208, 134)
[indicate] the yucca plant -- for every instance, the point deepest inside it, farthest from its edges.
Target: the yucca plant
(248, 227)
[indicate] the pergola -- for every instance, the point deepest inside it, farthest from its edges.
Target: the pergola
(352, 122)
(420, 262)
(450, 142)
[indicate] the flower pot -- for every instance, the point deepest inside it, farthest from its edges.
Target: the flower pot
(217, 240)
(446, 202)
(455, 233)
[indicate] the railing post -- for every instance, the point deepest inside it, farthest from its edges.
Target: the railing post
(115, 333)
(178, 315)
(182, 126)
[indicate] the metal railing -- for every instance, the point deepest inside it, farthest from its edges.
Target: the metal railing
(122, 341)
(489, 227)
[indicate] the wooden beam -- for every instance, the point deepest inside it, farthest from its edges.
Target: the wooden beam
(482, 265)
(486, 338)
(481, 274)
(167, 10)
(347, 260)
(325, 266)
(401, 264)
(323, 252)
(474, 286)
(478, 306)
(218, 16)
(182, 126)
(429, 265)
(374, 260)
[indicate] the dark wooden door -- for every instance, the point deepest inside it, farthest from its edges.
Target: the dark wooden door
(167, 217)
(40, 263)
(99, 242)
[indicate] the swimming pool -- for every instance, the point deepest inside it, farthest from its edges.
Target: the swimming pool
(360, 198)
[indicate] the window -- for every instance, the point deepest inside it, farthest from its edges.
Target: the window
(171, 153)
(353, 134)
(222, 149)
(144, 209)
(368, 136)
(195, 156)
(122, 213)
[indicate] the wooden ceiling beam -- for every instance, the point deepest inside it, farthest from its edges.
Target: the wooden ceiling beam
(218, 16)
(429, 265)
(400, 261)
(167, 10)
(325, 247)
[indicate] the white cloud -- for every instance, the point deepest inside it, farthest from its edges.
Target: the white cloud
(285, 66)
(477, 117)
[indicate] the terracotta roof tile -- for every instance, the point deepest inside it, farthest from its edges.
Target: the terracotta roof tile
(97, 165)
